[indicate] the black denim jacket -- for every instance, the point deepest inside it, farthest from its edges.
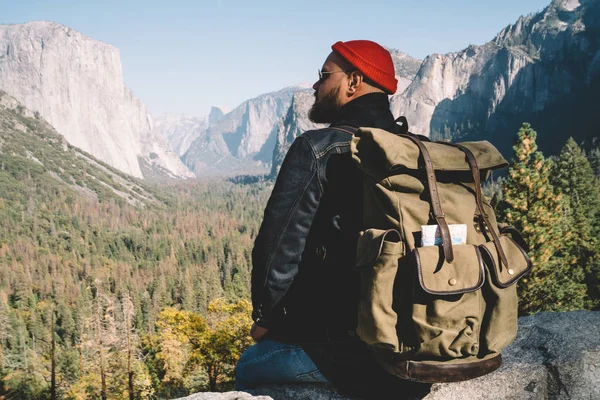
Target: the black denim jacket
(304, 255)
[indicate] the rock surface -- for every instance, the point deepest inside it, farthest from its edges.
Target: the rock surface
(76, 84)
(555, 356)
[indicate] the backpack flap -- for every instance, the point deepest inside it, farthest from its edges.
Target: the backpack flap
(380, 152)
(519, 263)
(438, 277)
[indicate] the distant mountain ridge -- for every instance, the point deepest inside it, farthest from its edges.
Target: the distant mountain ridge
(543, 69)
(242, 141)
(76, 84)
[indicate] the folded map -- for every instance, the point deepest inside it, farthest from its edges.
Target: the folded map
(431, 235)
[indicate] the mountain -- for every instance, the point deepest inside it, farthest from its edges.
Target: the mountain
(406, 68)
(543, 69)
(296, 119)
(242, 141)
(76, 84)
(180, 131)
(32, 150)
(292, 125)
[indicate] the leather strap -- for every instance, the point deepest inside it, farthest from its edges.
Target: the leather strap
(440, 217)
(433, 192)
(479, 199)
(438, 372)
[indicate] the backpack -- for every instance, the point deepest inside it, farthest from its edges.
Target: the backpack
(441, 312)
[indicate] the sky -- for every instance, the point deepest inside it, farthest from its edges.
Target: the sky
(184, 56)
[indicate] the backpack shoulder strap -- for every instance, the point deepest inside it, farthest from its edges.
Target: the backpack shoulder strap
(479, 198)
(436, 204)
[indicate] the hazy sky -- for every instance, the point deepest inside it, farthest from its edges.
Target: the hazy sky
(184, 56)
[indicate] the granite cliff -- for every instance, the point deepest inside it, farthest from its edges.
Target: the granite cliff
(543, 69)
(76, 84)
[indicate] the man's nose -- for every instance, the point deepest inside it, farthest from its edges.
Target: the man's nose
(316, 84)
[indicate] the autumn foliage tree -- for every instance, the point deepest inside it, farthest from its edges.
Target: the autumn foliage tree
(198, 353)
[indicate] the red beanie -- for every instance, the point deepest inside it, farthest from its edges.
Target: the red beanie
(372, 60)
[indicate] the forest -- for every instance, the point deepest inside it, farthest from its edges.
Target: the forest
(110, 299)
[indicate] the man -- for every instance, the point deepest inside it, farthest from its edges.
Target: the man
(304, 285)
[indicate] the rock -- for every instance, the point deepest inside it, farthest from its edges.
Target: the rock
(76, 84)
(225, 396)
(555, 356)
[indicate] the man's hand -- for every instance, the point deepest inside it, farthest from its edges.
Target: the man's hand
(258, 332)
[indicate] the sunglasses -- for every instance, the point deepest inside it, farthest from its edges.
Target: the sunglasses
(324, 74)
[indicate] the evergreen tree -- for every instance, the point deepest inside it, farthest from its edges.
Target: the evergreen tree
(595, 161)
(531, 205)
(573, 176)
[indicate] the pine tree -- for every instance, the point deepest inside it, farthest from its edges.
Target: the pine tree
(573, 176)
(595, 161)
(531, 205)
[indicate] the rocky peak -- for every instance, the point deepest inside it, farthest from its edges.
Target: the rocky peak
(243, 139)
(543, 69)
(215, 115)
(406, 68)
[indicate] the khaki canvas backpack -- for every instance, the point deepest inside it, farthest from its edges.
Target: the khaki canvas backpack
(436, 313)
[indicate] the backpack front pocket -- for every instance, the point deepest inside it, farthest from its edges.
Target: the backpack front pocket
(378, 252)
(447, 302)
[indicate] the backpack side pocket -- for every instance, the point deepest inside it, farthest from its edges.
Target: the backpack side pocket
(378, 252)
(500, 292)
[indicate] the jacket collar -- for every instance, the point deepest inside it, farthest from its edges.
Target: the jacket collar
(370, 110)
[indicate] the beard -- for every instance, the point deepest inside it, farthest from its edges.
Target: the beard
(327, 110)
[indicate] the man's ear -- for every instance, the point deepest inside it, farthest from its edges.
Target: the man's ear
(355, 81)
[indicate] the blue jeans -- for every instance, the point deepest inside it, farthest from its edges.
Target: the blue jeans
(273, 362)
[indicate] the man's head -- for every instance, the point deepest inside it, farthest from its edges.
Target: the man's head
(351, 70)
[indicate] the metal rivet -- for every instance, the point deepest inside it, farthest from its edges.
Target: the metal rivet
(511, 271)
(452, 282)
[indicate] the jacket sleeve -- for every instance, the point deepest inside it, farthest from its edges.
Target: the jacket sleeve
(282, 236)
